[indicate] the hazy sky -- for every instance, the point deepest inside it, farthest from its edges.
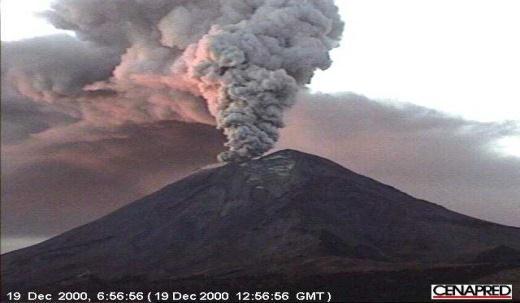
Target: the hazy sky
(457, 57)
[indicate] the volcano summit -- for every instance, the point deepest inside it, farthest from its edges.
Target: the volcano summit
(285, 221)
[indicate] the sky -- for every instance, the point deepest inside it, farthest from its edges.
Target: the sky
(458, 56)
(415, 87)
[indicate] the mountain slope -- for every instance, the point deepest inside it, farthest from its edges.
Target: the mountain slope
(285, 214)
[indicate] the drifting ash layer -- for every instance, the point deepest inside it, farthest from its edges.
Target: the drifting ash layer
(285, 221)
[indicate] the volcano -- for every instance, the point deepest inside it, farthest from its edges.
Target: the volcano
(285, 221)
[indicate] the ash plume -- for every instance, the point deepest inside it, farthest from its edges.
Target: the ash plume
(234, 64)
